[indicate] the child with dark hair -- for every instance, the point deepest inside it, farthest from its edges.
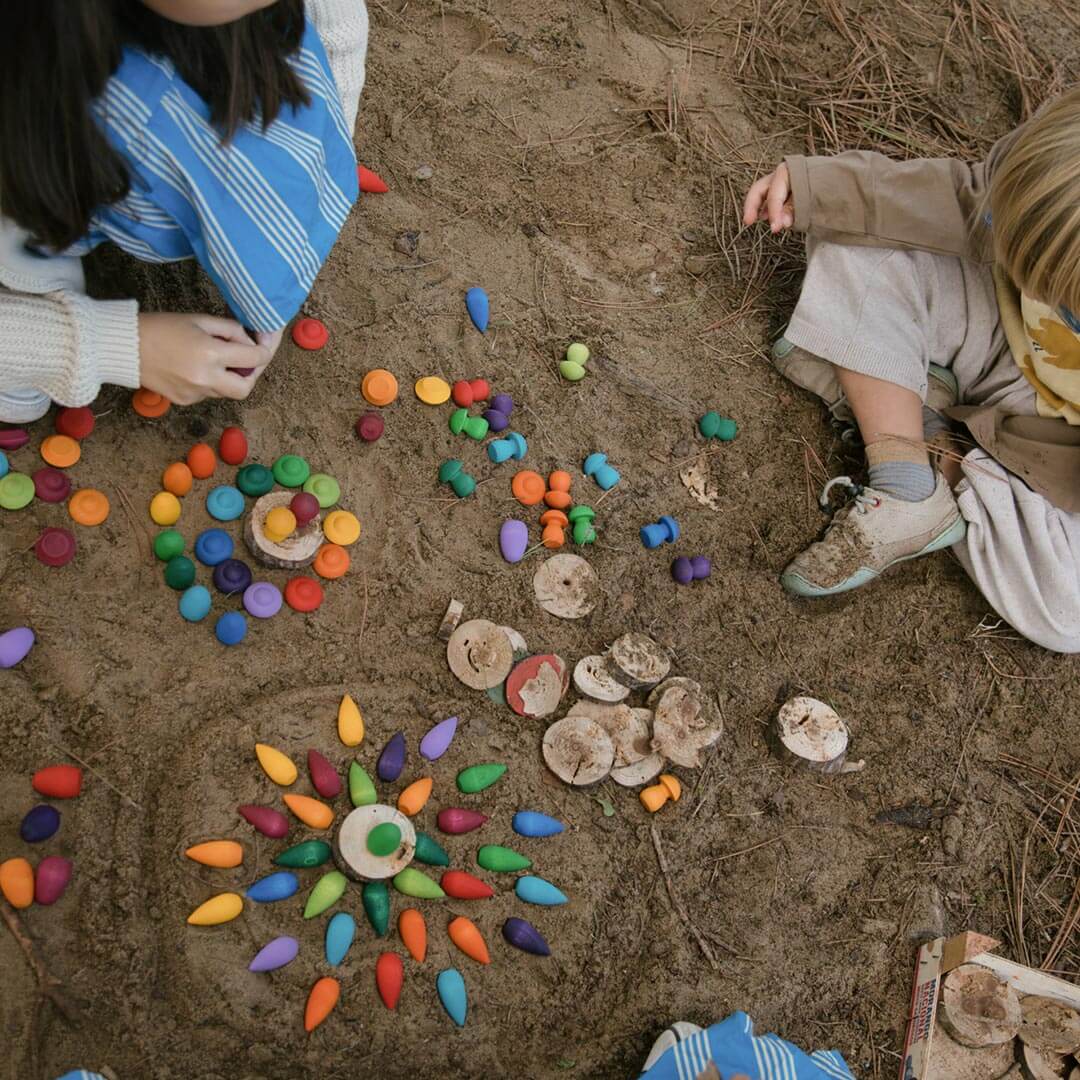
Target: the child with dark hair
(219, 130)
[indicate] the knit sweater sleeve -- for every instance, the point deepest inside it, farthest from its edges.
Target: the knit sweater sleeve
(343, 27)
(65, 345)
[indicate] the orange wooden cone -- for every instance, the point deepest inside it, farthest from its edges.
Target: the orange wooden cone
(219, 853)
(320, 1003)
(413, 931)
(310, 811)
(466, 937)
(411, 800)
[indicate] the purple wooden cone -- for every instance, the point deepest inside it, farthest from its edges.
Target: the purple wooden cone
(275, 954)
(437, 741)
(456, 820)
(392, 759)
(268, 821)
(324, 776)
(51, 879)
(523, 935)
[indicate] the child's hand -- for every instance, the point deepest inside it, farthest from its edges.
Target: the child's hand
(187, 358)
(770, 199)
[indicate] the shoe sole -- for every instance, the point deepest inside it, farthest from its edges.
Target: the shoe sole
(798, 585)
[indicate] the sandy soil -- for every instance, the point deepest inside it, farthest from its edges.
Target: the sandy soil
(578, 152)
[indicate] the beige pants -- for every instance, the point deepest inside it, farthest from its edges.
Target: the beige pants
(890, 314)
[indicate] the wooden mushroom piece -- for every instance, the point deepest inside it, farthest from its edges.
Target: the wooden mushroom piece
(566, 586)
(977, 1008)
(578, 751)
(636, 661)
(811, 733)
(480, 654)
(685, 721)
(294, 552)
(629, 731)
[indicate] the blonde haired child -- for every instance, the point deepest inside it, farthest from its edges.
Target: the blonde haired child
(937, 290)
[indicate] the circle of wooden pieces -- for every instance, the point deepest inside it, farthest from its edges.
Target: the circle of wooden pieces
(578, 750)
(636, 661)
(977, 1008)
(480, 654)
(685, 721)
(813, 733)
(536, 685)
(351, 850)
(566, 586)
(1049, 1025)
(593, 678)
(630, 732)
(295, 551)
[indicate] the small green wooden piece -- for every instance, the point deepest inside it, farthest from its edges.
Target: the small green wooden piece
(384, 839)
(449, 469)
(291, 470)
(571, 371)
(577, 353)
(376, 898)
(581, 513)
(328, 890)
(309, 853)
(179, 573)
(412, 883)
(429, 851)
(254, 479)
(457, 420)
(324, 487)
(478, 777)
(476, 427)
(584, 533)
(168, 544)
(501, 860)
(463, 484)
(714, 426)
(361, 789)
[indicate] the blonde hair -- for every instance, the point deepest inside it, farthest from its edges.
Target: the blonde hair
(1034, 200)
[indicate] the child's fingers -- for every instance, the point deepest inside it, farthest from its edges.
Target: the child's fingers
(755, 197)
(776, 200)
(226, 329)
(228, 384)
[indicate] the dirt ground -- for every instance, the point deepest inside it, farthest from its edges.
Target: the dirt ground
(580, 153)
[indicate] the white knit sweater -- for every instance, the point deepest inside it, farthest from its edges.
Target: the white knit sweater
(56, 344)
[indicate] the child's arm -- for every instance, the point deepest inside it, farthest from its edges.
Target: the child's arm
(343, 28)
(860, 197)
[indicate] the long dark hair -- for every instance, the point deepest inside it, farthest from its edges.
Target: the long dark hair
(56, 167)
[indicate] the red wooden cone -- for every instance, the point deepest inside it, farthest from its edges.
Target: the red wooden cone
(371, 182)
(389, 975)
(463, 886)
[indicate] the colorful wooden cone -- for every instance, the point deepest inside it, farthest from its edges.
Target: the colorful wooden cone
(58, 781)
(411, 801)
(340, 931)
(265, 819)
(350, 722)
(456, 820)
(17, 882)
(275, 954)
(478, 777)
(389, 976)
(451, 988)
(277, 886)
(533, 823)
(218, 909)
(222, 854)
(314, 814)
(391, 761)
(463, 886)
(413, 931)
(464, 934)
(321, 1001)
(429, 851)
(523, 935)
(412, 883)
(305, 855)
(376, 899)
(501, 860)
(278, 766)
(361, 789)
(327, 892)
(324, 777)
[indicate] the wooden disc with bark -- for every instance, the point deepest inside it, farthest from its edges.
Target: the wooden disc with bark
(578, 750)
(593, 678)
(951, 1061)
(637, 661)
(1042, 1064)
(977, 1008)
(295, 551)
(480, 654)
(1047, 1024)
(685, 722)
(537, 684)
(350, 845)
(627, 728)
(811, 733)
(566, 586)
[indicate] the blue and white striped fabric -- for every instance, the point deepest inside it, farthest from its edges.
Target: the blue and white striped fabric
(732, 1048)
(260, 213)
(80, 1074)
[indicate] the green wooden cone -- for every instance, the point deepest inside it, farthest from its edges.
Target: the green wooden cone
(361, 789)
(478, 777)
(501, 859)
(309, 853)
(376, 898)
(412, 883)
(430, 852)
(328, 891)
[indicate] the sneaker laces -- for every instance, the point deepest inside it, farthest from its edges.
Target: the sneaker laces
(860, 498)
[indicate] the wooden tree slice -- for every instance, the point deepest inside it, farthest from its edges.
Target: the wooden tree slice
(517, 642)
(537, 684)
(627, 729)
(480, 654)
(977, 1008)
(684, 725)
(454, 610)
(593, 678)
(689, 685)
(1041, 1064)
(637, 661)
(295, 551)
(350, 845)
(566, 586)
(811, 732)
(578, 751)
(1049, 1025)
(951, 1061)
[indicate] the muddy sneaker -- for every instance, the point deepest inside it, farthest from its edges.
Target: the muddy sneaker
(873, 532)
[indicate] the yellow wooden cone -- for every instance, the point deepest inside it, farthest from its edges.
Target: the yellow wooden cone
(275, 764)
(350, 724)
(311, 812)
(220, 853)
(652, 798)
(218, 909)
(411, 800)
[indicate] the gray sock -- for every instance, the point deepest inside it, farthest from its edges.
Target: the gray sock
(906, 480)
(934, 423)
